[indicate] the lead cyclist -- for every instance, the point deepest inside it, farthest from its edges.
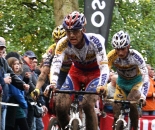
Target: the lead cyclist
(89, 61)
(133, 78)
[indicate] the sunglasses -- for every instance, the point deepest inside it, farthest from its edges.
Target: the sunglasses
(31, 58)
(74, 31)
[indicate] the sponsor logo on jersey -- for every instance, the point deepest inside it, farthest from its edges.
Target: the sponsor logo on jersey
(145, 85)
(138, 58)
(103, 78)
(97, 43)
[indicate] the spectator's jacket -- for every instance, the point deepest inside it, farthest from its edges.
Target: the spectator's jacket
(1, 78)
(32, 80)
(4, 87)
(150, 101)
(18, 95)
(15, 79)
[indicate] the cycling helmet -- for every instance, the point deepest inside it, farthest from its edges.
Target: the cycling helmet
(58, 32)
(120, 40)
(74, 20)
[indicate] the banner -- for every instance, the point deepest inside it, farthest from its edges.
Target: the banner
(99, 14)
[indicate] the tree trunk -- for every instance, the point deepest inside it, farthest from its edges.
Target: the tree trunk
(62, 8)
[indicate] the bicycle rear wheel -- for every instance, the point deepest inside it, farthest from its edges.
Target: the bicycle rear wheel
(75, 124)
(119, 125)
(53, 124)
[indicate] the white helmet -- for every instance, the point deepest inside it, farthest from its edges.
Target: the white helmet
(120, 40)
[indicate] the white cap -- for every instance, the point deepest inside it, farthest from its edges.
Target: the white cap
(2, 42)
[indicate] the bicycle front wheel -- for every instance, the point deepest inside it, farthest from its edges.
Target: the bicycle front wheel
(53, 124)
(119, 125)
(75, 124)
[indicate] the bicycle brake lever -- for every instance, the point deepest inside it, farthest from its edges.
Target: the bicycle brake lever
(50, 94)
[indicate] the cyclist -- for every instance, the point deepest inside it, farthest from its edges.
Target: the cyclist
(57, 34)
(133, 79)
(88, 55)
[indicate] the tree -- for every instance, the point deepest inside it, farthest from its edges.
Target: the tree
(27, 25)
(62, 8)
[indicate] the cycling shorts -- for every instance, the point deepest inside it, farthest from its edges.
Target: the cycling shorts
(124, 86)
(77, 77)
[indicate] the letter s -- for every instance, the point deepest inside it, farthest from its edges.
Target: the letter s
(101, 6)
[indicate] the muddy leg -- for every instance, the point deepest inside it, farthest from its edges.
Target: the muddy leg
(63, 103)
(88, 107)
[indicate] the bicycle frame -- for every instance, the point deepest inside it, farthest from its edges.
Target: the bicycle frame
(75, 113)
(74, 109)
(123, 112)
(126, 125)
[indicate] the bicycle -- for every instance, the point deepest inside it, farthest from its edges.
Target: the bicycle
(76, 112)
(121, 123)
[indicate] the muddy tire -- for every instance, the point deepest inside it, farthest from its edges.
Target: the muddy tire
(53, 124)
(119, 125)
(75, 125)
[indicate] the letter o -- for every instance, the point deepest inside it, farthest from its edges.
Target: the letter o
(93, 19)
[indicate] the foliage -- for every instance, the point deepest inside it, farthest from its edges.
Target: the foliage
(26, 25)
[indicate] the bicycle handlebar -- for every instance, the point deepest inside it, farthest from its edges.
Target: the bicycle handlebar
(75, 92)
(122, 101)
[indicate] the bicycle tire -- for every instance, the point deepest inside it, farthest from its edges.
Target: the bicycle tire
(75, 124)
(119, 125)
(53, 124)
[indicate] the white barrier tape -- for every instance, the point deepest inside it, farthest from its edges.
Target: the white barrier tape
(16, 105)
(33, 103)
(9, 104)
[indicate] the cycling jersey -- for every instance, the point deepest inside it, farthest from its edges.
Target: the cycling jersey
(51, 49)
(50, 53)
(130, 68)
(91, 57)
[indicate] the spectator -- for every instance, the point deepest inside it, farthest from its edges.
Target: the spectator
(37, 122)
(14, 54)
(16, 116)
(149, 109)
(110, 75)
(111, 87)
(4, 54)
(4, 68)
(28, 74)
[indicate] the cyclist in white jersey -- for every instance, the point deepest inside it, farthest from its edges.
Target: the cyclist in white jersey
(133, 79)
(89, 61)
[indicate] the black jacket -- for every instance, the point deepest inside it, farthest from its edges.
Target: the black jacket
(16, 81)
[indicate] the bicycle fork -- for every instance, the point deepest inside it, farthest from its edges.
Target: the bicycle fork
(75, 116)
